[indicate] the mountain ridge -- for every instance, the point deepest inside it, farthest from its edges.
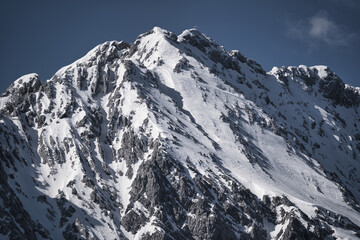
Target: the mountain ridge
(173, 137)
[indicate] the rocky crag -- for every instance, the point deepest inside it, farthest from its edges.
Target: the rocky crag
(173, 137)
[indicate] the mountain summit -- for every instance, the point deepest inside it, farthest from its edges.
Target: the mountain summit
(173, 137)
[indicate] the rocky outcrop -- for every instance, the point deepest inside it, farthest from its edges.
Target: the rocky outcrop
(173, 137)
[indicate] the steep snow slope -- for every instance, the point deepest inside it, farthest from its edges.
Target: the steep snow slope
(172, 137)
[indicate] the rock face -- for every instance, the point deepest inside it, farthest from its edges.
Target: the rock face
(172, 137)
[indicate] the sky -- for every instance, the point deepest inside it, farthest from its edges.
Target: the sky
(43, 36)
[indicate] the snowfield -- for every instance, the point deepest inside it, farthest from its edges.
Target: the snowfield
(173, 137)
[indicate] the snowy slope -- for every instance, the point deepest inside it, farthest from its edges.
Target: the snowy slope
(173, 137)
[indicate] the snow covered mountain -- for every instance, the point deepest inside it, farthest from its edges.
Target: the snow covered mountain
(173, 137)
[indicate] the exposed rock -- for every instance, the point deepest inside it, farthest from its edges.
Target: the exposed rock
(129, 143)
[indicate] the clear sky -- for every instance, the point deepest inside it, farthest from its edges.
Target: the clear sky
(43, 36)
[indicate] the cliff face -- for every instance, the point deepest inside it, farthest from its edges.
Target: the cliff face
(172, 137)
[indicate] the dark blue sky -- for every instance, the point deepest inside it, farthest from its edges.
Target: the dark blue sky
(43, 36)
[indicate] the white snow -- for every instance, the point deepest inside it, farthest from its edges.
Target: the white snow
(278, 168)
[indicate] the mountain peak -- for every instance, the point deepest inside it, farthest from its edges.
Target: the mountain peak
(173, 137)
(28, 81)
(25, 84)
(159, 30)
(321, 79)
(192, 32)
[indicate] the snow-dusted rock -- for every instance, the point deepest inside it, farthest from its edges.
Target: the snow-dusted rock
(173, 137)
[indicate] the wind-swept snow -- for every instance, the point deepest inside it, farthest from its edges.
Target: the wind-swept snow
(174, 137)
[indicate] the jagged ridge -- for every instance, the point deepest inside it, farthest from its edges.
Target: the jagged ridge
(173, 137)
